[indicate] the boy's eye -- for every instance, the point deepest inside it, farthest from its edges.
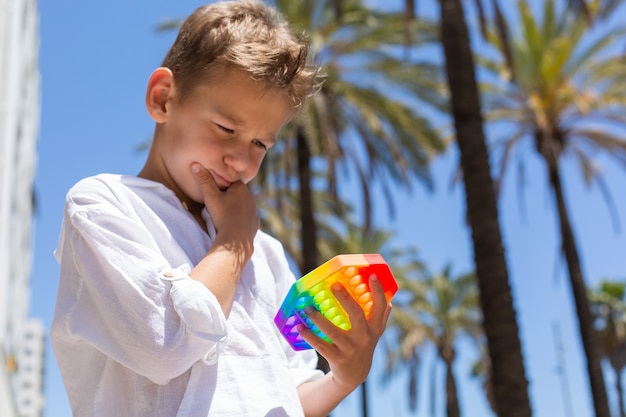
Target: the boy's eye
(259, 144)
(225, 129)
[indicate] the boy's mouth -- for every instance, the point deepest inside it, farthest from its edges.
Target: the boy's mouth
(222, 183)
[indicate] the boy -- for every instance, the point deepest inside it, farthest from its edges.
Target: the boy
(167, 287)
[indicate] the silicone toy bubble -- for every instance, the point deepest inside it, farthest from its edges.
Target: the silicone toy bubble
(314, 289)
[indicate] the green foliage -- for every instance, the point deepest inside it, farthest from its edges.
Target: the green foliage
(367, 119)
(433, 310)
(564, 93)
(608, 306)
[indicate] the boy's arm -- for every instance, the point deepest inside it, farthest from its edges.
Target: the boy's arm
(351, 353)
(120, 295)
(234, 215)
(320, 396)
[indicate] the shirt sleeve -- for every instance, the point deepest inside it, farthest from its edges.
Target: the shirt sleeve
(119, 294)
(303, 365)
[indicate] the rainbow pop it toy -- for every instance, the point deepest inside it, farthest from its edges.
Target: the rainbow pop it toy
(313, 289)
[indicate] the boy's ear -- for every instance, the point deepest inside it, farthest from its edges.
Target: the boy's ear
(159, 93)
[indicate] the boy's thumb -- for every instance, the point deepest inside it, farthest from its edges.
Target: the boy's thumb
(201, 174)
(196, 168)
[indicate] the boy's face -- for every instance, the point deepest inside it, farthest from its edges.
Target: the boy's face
(226, 124)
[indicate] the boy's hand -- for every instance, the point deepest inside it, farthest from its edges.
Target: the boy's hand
(235, 218)
(350, 355)
(233, 211)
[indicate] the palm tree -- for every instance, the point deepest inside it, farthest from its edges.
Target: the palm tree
(565, 95)
(608, 306)
(593, 10)
(438, 310)
(510, 392)
(363, 119)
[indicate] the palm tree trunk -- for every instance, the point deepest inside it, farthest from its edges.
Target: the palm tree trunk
(500, 322)
(307, 218)
(452, 399)
(364, 407)
(579, 291)
(308, 233)
(620, 391)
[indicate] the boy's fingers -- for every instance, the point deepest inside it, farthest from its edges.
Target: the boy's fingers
(376, 322)
(202, 174)
(380, 308)
(320, 345)
(328, 328)
(352, 307)
(379, 312)
(204, 177)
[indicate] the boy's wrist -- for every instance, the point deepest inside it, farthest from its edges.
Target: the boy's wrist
(242, 248)
(343, 388)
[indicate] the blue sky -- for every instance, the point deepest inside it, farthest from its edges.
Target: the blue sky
(95, 62)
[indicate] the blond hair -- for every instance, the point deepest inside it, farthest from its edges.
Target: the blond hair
(246, 35)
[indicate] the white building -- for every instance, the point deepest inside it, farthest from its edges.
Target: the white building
(21, 338)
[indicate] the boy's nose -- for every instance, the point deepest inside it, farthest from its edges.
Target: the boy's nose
(238, 158)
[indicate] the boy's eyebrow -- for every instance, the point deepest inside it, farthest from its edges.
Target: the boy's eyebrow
(226, 115)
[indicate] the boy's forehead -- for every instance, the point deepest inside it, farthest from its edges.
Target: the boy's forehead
(236, 87)
(240, 101)
(222, 77)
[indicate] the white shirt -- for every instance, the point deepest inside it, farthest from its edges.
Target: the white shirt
(134, 335)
